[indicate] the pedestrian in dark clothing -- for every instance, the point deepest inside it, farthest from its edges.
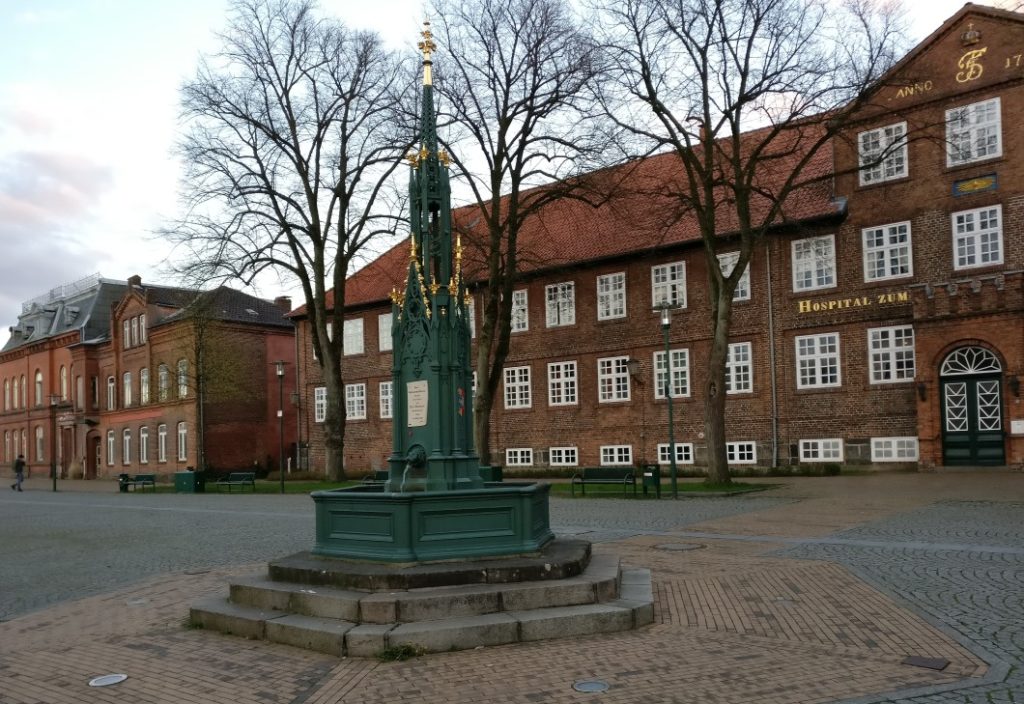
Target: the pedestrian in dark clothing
(19, 473)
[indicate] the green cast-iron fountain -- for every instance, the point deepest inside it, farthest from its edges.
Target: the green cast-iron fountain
(434, 504)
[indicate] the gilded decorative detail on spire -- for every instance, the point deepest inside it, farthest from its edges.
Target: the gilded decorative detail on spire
(413, 158)
(427, 46)
(412, 248)
(444, 158)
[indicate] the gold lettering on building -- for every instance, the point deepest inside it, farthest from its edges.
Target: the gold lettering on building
(809, 306)
(970, 66)
(915, 89)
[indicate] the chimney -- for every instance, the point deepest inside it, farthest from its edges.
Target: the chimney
(284, 303)
(135, 280)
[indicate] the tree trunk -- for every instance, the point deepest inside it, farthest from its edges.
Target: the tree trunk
(714, 392)
(334, 423)
(483, 399)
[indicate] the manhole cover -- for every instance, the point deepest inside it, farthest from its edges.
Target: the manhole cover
(107, 680)
(679, 547)
(590, 686)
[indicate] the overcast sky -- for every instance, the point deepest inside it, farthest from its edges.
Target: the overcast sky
(88, 117)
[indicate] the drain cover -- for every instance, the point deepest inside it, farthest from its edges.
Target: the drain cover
(590, 686)
(930, 663)
(107, 680)
(678, 547)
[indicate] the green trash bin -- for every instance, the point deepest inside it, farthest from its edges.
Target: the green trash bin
(189, 482)
(652, 479)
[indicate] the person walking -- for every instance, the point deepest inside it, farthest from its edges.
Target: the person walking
(19, 473)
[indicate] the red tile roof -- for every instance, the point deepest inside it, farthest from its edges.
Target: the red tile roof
(641, 216)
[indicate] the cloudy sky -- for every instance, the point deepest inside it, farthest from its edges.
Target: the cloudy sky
(88, 117)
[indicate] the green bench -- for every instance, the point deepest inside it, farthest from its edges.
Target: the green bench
(239, 479)
(139, 481)
(378, 476)
(604, 475)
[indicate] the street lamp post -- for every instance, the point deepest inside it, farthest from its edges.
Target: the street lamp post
(54, 400)
(666, 323)
(280, 418)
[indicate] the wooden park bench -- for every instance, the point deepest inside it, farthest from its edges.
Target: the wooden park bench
(239, 479)
(139, 481)
(604, 475)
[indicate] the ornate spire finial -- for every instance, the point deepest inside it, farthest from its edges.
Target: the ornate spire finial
(427, 46)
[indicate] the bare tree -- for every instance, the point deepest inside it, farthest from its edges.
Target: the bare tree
(515, 103)
(747, 95)
(294, 129)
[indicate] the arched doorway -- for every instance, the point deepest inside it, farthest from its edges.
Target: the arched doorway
(971, 380)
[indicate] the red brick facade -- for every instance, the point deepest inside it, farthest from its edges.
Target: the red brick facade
(875, 406)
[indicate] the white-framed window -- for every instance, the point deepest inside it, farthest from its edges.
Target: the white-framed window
(39, 388)
(319, 404)
(144, 386)
(471, 314)
(616, 455)
(7, 394)
(142, 329)
(384, 341)
(883, 153)
(977, 237)
(739, 368)
(182, 378)
(352, 340)
(562, 384)
(144, 445)
(668, 285)
(613, 379)
(163, 382)
(728, 262)
(161, 443)
(560, 304)
(891, 352)
(517, 387)
(887, 252)
(824, 450)
(684, 453)
(894, 449)
(7, 446)
(126, 390)
(40, 444)
(126, 334)
(611, 296)
(817, 361)
(182, 441)
(135, 331)
(126, 446)
(386, 397)
(63, 383)
(743, 452)
(111, 444)
(520, 311)
(679, 363)
(519, 457)
(563, 456)
(973, 132)
(111, 393)
(814, 263)
(355, 401)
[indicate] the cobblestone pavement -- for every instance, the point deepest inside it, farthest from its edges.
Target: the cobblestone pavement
(813, 592)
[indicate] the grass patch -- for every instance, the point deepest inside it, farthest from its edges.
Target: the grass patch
(398, 653)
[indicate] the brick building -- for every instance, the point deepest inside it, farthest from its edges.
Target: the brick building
(881, 324)
(140, 378)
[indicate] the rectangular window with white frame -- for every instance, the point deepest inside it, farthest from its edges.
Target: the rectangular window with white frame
(894, 449)
(111, 443)
(182, 442)
(560, 304)
(126, 334)
(161, 443)
(616, 455)
(883, 153)
(355, 401)
(892, 354)
(613, 379)
(471, 315)
(320, 404)
(817, 361)
(352, 336)
(977, 237)
(144, 445)
(611, 296)
(668, 285)
(814, 263)
(386, 399)
(562, 384)
(825, 450)
(520, 311)
(563, 456)
(517, 387)
(744, 452)
(728, 262)
(384, 332)
(519, 457)
(678, 372)
(739, 368)
(887, 252)
(973, 132)
(684, 453)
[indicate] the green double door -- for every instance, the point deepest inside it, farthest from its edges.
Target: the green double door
(972, 420)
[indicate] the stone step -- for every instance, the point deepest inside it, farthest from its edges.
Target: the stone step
(218, 614)
(599, 583)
